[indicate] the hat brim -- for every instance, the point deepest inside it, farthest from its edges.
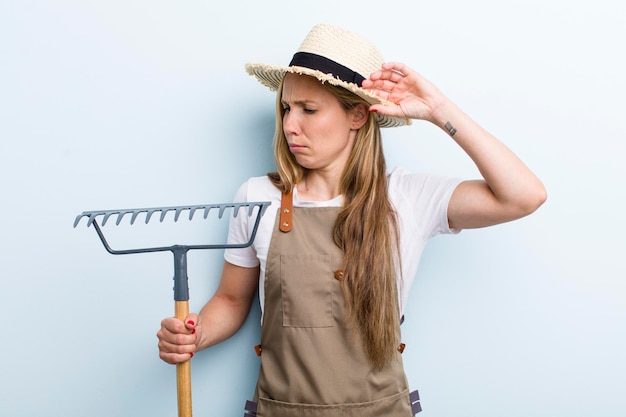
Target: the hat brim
(271, 76)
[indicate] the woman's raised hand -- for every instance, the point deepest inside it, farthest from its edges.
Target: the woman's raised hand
(413, 96)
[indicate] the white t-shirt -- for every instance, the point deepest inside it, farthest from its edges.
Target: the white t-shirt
(421, 202)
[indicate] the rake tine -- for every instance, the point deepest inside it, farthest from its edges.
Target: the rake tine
(206, 211)
(192, 211)
(121, 216)
(164, 213)
(149, 214)
(178, 211)
(90, 219)
(106, 217)
(222, 209)
(77, 219)
(262, 207)
(135, 214)
(236, 208)
(80, 216)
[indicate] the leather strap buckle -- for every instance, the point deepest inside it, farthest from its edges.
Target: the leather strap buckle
(286, 212)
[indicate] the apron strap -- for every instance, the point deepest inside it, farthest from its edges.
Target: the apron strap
(286, 212)
(415, 402)
(251, 407)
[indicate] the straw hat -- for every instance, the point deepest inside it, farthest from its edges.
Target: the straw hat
(336, 56)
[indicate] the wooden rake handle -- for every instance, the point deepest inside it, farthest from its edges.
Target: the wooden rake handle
(183, 370)
(181, 289)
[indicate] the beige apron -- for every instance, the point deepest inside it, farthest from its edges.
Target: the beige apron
(312, 365)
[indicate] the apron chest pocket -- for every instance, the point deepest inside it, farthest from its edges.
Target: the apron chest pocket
(307, 286)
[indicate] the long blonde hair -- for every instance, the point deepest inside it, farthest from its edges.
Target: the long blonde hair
(366, 230)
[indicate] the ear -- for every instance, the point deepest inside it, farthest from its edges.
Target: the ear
(359, 116)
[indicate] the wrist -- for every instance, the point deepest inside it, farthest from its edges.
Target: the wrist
(448, 117)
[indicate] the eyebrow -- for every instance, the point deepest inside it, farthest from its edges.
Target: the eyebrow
(299, 102)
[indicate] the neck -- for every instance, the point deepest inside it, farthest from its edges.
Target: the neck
(315, 186)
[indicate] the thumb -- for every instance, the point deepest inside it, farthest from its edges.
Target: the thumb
(387, 110)
(191, 321)
(374, 108)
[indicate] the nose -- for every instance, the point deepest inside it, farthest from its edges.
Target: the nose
(290, 124)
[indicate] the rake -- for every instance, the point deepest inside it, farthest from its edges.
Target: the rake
(181, 287)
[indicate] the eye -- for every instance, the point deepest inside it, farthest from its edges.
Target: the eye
(286, 109)
(309, 111)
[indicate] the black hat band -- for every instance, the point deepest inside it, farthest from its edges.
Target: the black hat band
(327, 66)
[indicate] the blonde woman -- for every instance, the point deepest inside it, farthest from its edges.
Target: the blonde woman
(336, 253)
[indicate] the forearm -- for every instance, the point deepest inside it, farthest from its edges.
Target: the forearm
(221, 318)
(508, 178)
(226, 311)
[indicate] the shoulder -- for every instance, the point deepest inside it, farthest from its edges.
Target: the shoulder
(404, 181)
(257, 189)
(419, 192)
(400, 177)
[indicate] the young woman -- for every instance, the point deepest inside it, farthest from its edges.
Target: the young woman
(337, 250)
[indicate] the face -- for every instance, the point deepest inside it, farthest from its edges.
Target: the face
(320, 132)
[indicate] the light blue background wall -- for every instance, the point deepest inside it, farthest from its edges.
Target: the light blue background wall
(145, 103)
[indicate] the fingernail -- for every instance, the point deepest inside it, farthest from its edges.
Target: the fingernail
(193, 331)
(190, 322)
(191, 355)
(373, 110)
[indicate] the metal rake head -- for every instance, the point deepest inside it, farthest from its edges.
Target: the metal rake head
(162, 212)
(177, 210)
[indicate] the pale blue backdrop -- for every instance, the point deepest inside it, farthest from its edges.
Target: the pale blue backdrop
(113, 104)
